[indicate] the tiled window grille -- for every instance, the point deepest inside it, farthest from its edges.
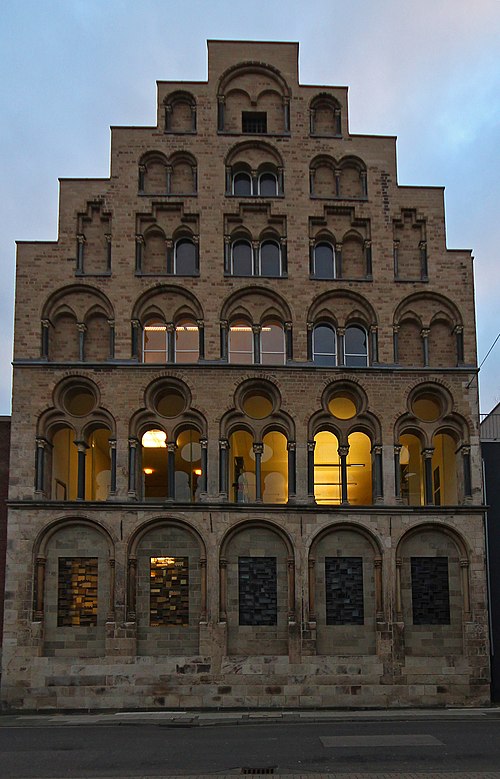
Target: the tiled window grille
(77, 592)
(344, 590)
(430, 591)
(254, 122)
(169, 591)
(257, 582)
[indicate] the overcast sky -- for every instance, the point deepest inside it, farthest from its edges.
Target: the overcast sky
(426, 71)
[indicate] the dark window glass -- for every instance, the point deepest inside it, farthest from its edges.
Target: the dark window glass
(242, 258)
(270, 259)
(257, 589)
(430, 591)
(355, 347)
(254, 122)
(344, 590)
(185, 257)
(268, 185)
(324, 261)
(242, 184)
(324, 345)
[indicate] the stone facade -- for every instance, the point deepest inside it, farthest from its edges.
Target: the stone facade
(246, 467)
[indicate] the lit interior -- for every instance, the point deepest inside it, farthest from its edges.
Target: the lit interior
(274, 468)
(426, 408)
(410, 459)
(79, 402)
(241, 343)
(327, 473)
(64, 465)
(98, 466)
(186, 341)
(444, 470)
(170, 404)
(188, 466)
(257, 406)
(155, 341)
(342, 407)
(154, 464)
(242, 467)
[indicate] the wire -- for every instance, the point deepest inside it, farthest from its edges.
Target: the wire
(486, 357)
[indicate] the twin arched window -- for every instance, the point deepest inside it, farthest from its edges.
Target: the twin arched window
(330, 349)
(324, 265)
(249, 345)
(264, 185)
(262, 260)
(156, 255)
(178, 343)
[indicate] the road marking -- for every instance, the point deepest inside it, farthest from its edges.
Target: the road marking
(408, 740)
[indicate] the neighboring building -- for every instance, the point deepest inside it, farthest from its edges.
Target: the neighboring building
(4, 487)
(490, 447)
(246, 466)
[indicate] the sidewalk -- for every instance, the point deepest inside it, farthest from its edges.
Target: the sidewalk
(191, 718)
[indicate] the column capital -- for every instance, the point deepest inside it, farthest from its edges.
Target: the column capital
(311, 446)
(343, 450)
(258, 448)
(428, 452)
(223, 443)
(291, 446)
(80, 238)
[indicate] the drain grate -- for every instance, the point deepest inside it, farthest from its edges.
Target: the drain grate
(259, 771)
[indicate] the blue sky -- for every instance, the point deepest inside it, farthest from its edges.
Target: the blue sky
(428, 72)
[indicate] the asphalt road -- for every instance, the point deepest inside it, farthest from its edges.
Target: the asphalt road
(430, 746)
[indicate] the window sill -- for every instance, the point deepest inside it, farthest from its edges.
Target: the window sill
(337, 198)
(362, 279)
(422, 280)
(254, 197)
(228, 275)
(83, 274)
(164, 275)
(237, 133)
(166, 194)
(180, 132)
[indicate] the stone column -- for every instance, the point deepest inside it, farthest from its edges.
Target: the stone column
(80, 253)
(364, 183)
(220, 113)
(337, 174)
(204, 468)
(111, 324)
(222, 590)
(82, 329)
(310, 471)
(459, 336)
(397, 471)
(341, 350)
(142, 177)
(343, 451)
(395, 342)
(395, 250)
(136, 330)
(170, 342)
(374, 344)
(379, 604)
(291, 588)
(223, 468)
(108, 252)
(464, 573)
(112, 457)
(201, 338)
(258, 450)
(423, 260)
(139, 250)
(339, 269)
(203, 590)
(467, 471)
(428, 486)
(45, 339)
(40, 564)
(424, 333)
(256, 331)
(312, 591)
(310, 328)
(292, 472)
(288, 341)
(132, 589)
(256, 258)
(378, 481)
(133, 444)
(224, 328)
(171, 448)
(111, 605)
(368, 258)
(82, 451)
(399, 603)
(41, 445)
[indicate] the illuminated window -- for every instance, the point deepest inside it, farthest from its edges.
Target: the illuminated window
(98, 465)
(188, 470)
(169, 591)
(327, 487)
(274, 468)
(411, 471)
(272, 344)
(444, 470)
(242, 467)
(77, 592)
(154, 465)
(241, 343)
(154, 348)
(64, 465)
(187, 341)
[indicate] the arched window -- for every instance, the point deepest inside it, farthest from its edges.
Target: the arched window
(187, 341)
(359, 470)
(324, 261)
(274, 468)
(241, 343)
(98, 465)
(444, 470)
(154, 465)
(242, 467)
(411, 470)
(154, 347)
(185, 257)
(94, 468)
(242, 184)
(188, 466)
(242, 258)
(272, 343)
(324, 345)
(268, 184)
(355, 347)
(64, 465)
(327, 486)
(270, 259)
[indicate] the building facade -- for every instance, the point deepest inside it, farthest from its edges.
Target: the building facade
(246, 466)
(4, 487)
(490, 448)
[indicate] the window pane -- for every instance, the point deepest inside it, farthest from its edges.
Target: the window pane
(356, 354)
(270, 259)
(185, 258)
(242, 259)
(324, 261)
(254, 122)
(324, 345)
(155, 342)
(242, 467)
(274, 468)
(272, 344)
(188, 466)
(326, 468)
(241, 343)
(186, 341)
(242, 184)
(268, 185)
